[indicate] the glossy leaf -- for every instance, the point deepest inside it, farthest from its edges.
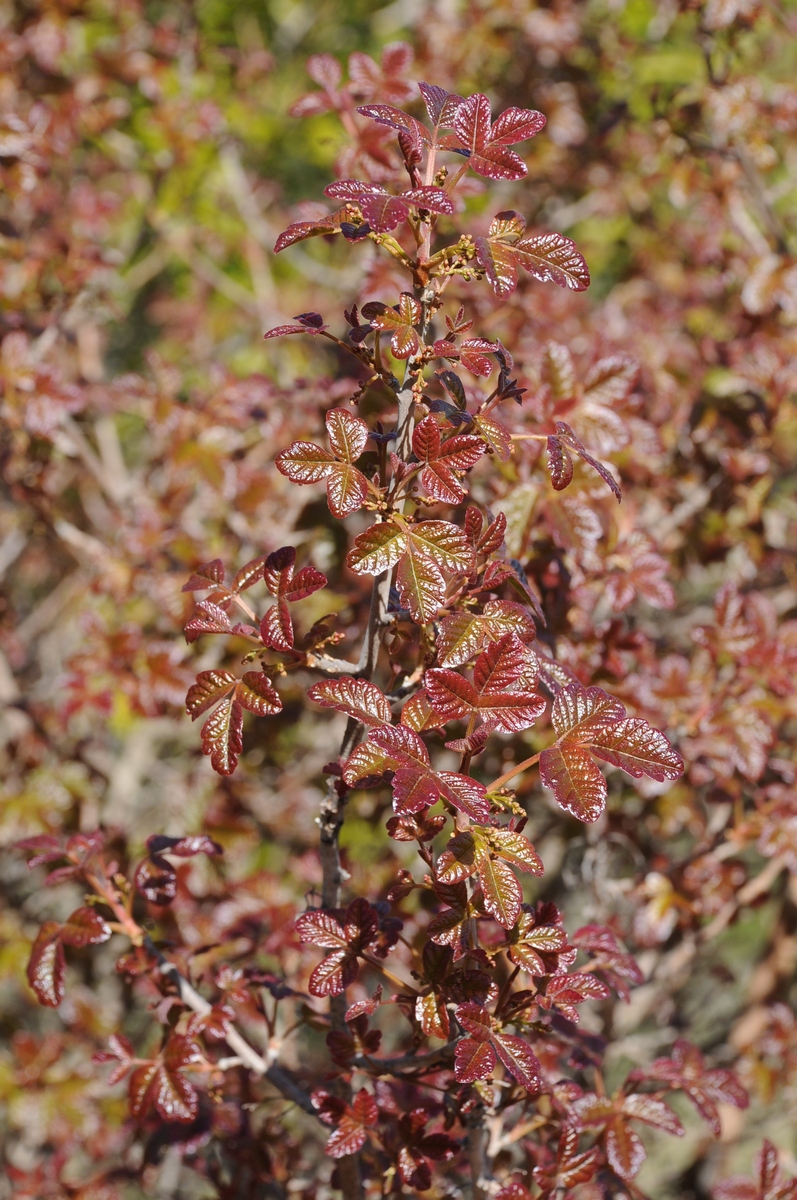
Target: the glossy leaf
(85, 927)
(222, 736)
(484, 143)
(160, 1084)
(47, 966)
(357, 698)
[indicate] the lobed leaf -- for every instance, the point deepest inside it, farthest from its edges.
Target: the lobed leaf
(575, 780)
(519, 1060)
(637, 748)
(377, 549)
(209, 688)
(357, 698)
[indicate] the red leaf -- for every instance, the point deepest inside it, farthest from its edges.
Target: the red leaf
(287, 330)
(462, 856)
(304, 462)
(399, 322)
(503, 895)
(519, 1060)
(303, 584)
(624, 1150)
(161, 1085)
(385, 114)
(276, 627)
(357, 698)
(638, 748)
(85, 927)
(347, 434)
(300, 230)
(581, 712)
(156, 880)
(432, 1016)
(485, 143)
(207, 617)
(321, 928)
(183, 847)
(560, 464)
(464, 633)
(473, 1060)
(377, 549)
(576, 782)
(516, 849)
(420, 584)
(333, 974)
(653, 1112)
(567, 437)
(210, 687)
(221, 736)
(548, 257)
(206, 575)
(256, 694)
(46, 966)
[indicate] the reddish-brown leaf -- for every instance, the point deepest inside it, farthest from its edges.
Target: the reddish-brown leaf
(160, 1084)
(473, 1060)
(47, 966)
(222, 736)
(357, 698)
(484, 142)
(85, 927)
(519, 1060)
(256, 694)
(210, 687)
(503, 895)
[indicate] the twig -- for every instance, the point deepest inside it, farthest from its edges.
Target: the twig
(245, 1054)
(408, 1062)
(477, 1154)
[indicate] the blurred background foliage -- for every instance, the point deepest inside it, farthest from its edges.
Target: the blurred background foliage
(148, 161)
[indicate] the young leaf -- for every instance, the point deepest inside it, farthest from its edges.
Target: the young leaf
(503, 895)
(484, 143)
(444, 461)
(384, 212)
(85, 927)
(210, 687)
(160, 1083)
(548, 257)
(304, 462)
(357, 698)
(47, 966)
(705, 1087)
(519, 1060)
(222, 736)
(399, 322)
(590, 722)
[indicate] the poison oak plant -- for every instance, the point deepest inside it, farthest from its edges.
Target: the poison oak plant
(454, 658)
(415, 614)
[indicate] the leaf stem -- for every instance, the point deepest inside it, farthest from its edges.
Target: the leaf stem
(512, 772)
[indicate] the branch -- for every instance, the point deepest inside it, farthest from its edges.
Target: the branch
(405, 1062)
(245, 1054)
(477, 1154)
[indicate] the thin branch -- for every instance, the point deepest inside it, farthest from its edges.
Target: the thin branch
(405, 1062)
(246, 1054)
